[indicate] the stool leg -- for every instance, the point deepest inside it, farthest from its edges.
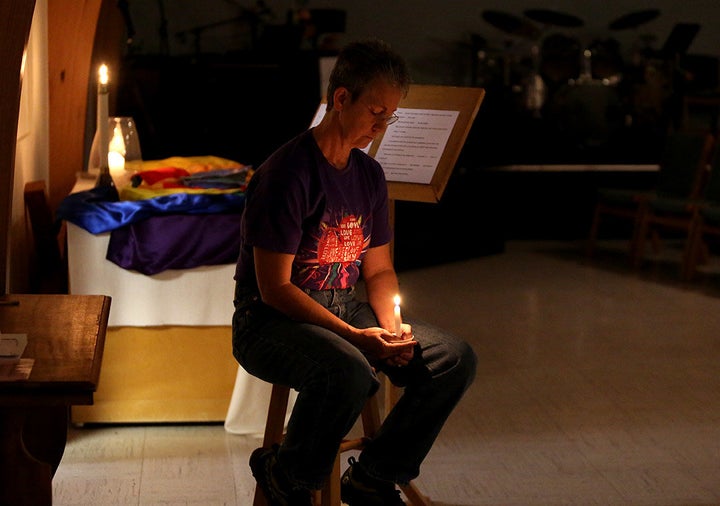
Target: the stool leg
(331, 491)
(275, 424)
(414, 496)
(274, 427)
(371, 423)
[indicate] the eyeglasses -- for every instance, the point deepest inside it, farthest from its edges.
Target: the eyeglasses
(388, 120)
(391, 119)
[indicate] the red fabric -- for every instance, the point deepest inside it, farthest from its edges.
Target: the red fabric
(153, 176)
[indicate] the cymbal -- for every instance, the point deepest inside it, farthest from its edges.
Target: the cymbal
(548, 17)
(511, 24)
(634, 19)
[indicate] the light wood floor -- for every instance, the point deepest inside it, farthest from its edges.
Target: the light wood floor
(598, 385)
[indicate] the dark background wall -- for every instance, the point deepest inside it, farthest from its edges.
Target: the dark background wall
(433, 35)
(252, 65)
(235, 79)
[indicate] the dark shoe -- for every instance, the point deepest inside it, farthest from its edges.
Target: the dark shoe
(277, 491)
(358, 489)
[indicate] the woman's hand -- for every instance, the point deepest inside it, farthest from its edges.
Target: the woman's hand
(403, 358)
(383, 345)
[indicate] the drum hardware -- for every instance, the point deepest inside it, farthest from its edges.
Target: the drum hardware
(634, 19)
(535, 88)
(586, 74)
(560, 59)
(641, 47)
(488, 67)
(511, 24)
(589, 75)
(535, 94)
(497, 65)
(549, 17)
(607, 60)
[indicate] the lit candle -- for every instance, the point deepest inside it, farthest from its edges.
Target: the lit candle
(102, 116)
(116, 163)
(398, 318)
(116, 152)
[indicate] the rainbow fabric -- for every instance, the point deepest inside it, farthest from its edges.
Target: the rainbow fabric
(187, 185)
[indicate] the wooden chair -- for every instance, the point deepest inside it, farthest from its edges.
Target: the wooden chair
(683, 164)
(669, 213)
(330, 494)
(48, 272)
(705, 222)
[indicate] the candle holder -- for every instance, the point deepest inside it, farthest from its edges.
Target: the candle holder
(123, 153)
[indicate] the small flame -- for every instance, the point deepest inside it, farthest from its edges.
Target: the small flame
(103, 74)
(396, 299)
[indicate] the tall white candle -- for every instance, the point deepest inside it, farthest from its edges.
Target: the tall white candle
(398, 318)
(102, 116)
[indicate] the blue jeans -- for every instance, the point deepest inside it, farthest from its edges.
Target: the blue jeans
(334, 380)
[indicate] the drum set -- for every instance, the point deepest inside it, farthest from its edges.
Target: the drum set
(554, 75)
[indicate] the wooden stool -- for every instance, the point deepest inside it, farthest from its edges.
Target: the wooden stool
(330, 494)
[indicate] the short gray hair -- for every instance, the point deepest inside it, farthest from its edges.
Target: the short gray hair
(362, 62)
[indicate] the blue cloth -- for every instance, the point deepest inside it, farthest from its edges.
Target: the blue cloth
(99, 210)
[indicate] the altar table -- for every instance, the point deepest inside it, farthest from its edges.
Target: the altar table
(168, 350)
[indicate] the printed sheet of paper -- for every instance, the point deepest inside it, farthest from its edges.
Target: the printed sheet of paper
(411, 148)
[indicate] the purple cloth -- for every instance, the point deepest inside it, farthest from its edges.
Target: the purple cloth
(176, 241)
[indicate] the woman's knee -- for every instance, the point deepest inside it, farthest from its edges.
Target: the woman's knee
(354, 378)
(459, 364)
(467, 362)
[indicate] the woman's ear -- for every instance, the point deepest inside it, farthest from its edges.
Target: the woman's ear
(341, 97)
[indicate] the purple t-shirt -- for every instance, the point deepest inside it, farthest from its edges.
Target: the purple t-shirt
(296, 202)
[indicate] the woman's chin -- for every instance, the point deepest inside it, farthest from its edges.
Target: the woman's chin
(364, 142)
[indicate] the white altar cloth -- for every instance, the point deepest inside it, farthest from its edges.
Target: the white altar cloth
(199, 296)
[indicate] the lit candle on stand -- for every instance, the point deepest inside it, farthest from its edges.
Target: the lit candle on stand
(102, 117)
(398, 318)
(104, 179)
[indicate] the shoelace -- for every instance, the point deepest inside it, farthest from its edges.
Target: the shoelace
(385, 490)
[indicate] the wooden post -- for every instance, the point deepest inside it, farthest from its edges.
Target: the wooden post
(71, 37)
(15, 21)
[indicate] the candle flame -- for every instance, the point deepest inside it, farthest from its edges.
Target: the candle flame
(116, 162)
(103, 74)
(117, 143)
(396, 299)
